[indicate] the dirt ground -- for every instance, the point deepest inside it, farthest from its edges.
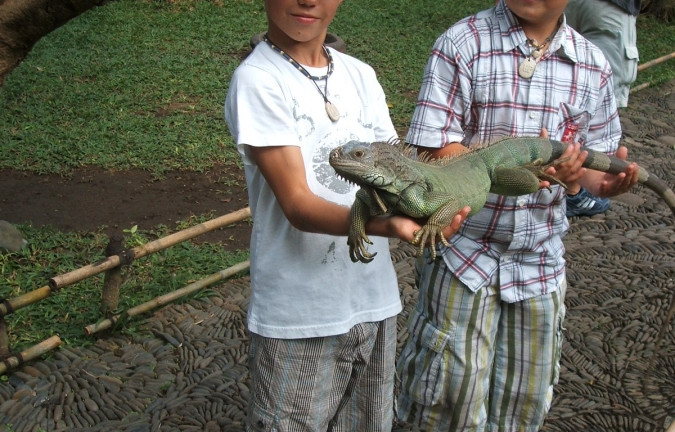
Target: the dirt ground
(93, 199)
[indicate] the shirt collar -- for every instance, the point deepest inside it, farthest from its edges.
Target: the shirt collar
(515, 37)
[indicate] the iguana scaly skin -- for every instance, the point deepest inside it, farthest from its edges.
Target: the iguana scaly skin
(393, 182)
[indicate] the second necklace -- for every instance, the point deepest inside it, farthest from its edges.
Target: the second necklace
(331, 109)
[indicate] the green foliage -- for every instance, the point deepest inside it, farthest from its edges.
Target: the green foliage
(656, 38)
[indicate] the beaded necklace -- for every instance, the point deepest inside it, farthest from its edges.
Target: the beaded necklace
(331, 109)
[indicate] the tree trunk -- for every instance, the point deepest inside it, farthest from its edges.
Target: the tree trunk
(24, 22)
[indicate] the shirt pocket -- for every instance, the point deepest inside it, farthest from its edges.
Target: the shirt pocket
(573, 124)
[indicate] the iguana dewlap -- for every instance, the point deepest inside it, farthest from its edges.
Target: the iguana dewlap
(393, 182)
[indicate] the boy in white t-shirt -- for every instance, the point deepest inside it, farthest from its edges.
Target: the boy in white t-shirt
(322, 329)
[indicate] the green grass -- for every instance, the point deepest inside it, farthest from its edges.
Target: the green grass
(130, 84)
(141, 84)
(67, 311)
(655, 39)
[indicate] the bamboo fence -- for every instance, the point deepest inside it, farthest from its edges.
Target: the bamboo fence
(111, 265)
(168, 298)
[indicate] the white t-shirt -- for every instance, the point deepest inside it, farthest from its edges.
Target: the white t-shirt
(304, 284)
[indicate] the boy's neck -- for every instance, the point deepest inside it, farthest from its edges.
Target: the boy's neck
(308, 53)
(540, 31)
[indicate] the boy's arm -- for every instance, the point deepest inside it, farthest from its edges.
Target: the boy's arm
(450, 149)
(284, 170)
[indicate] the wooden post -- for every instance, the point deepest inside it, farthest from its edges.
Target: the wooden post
(113, 277)
(4, 338)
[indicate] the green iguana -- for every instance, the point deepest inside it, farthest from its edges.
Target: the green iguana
(393, 182)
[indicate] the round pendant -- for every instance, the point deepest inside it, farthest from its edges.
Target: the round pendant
(526, 68)
(332, 111)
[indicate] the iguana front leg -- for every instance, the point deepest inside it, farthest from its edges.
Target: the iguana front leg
(357, 237)
(432, 231)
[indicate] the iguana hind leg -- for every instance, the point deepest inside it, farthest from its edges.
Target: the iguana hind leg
(522, 180)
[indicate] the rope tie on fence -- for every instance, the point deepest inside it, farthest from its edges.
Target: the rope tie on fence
(8, 309)
(115, 247)
(9, 364)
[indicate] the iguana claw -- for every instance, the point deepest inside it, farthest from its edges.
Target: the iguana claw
(430, 234)
(358, 250)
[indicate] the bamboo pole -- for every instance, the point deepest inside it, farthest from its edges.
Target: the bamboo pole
(24, 300)
(656, 61)
(31, 353)
(58, 282)
(167, 298)
(639, 87)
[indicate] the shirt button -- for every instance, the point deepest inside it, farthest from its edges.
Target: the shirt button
(533, 115)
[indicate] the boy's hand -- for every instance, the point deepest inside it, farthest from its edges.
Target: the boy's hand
(405, 227)
(611, 185)
(570, 169)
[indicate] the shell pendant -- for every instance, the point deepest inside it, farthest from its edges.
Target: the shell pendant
(332, 111)
(526, 68)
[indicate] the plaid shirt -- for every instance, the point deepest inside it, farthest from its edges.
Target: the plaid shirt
(472, 93)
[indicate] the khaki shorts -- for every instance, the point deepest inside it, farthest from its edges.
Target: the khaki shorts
(336, 383)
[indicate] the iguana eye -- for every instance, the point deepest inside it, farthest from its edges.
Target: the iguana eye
(358, 153)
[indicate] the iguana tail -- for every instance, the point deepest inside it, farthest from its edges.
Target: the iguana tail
(613, 165)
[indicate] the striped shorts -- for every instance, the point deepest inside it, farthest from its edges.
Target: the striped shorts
(336, 383)
(475, 363)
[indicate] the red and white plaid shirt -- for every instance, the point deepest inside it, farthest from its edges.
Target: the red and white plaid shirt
(472, 93)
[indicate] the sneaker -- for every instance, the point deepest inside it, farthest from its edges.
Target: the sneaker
(585, 204)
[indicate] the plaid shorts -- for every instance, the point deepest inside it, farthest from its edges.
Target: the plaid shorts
(335, 383)
(476, 363)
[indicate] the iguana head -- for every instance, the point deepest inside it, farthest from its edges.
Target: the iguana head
(379, 165)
